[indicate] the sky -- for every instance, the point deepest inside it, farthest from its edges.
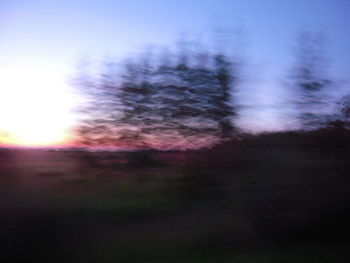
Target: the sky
(41, 42)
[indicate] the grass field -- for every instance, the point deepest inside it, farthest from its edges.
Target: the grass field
(270, 198)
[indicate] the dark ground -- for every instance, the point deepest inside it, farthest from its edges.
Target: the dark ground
(272, 198)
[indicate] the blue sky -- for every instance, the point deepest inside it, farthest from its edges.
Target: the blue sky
(48, 37)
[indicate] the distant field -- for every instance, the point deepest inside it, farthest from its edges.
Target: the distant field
(264, 199)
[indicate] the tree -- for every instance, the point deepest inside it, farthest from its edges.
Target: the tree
(225, 110)
(99, 110)
(172, 104)
(196, 97)
(136, 93)
(345, 108)
(341, 119)
(310, 79)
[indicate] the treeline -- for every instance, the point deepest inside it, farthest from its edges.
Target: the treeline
(184, 99)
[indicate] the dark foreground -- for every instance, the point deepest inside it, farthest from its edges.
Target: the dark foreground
(273, 198)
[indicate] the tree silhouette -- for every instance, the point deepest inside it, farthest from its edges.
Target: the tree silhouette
(341, 118)
(223, 102)
(310, 79)
(345, 108)
(99, 110)
(174, 103)
(136, 94)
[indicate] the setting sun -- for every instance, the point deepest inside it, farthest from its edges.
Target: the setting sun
(34, 107)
